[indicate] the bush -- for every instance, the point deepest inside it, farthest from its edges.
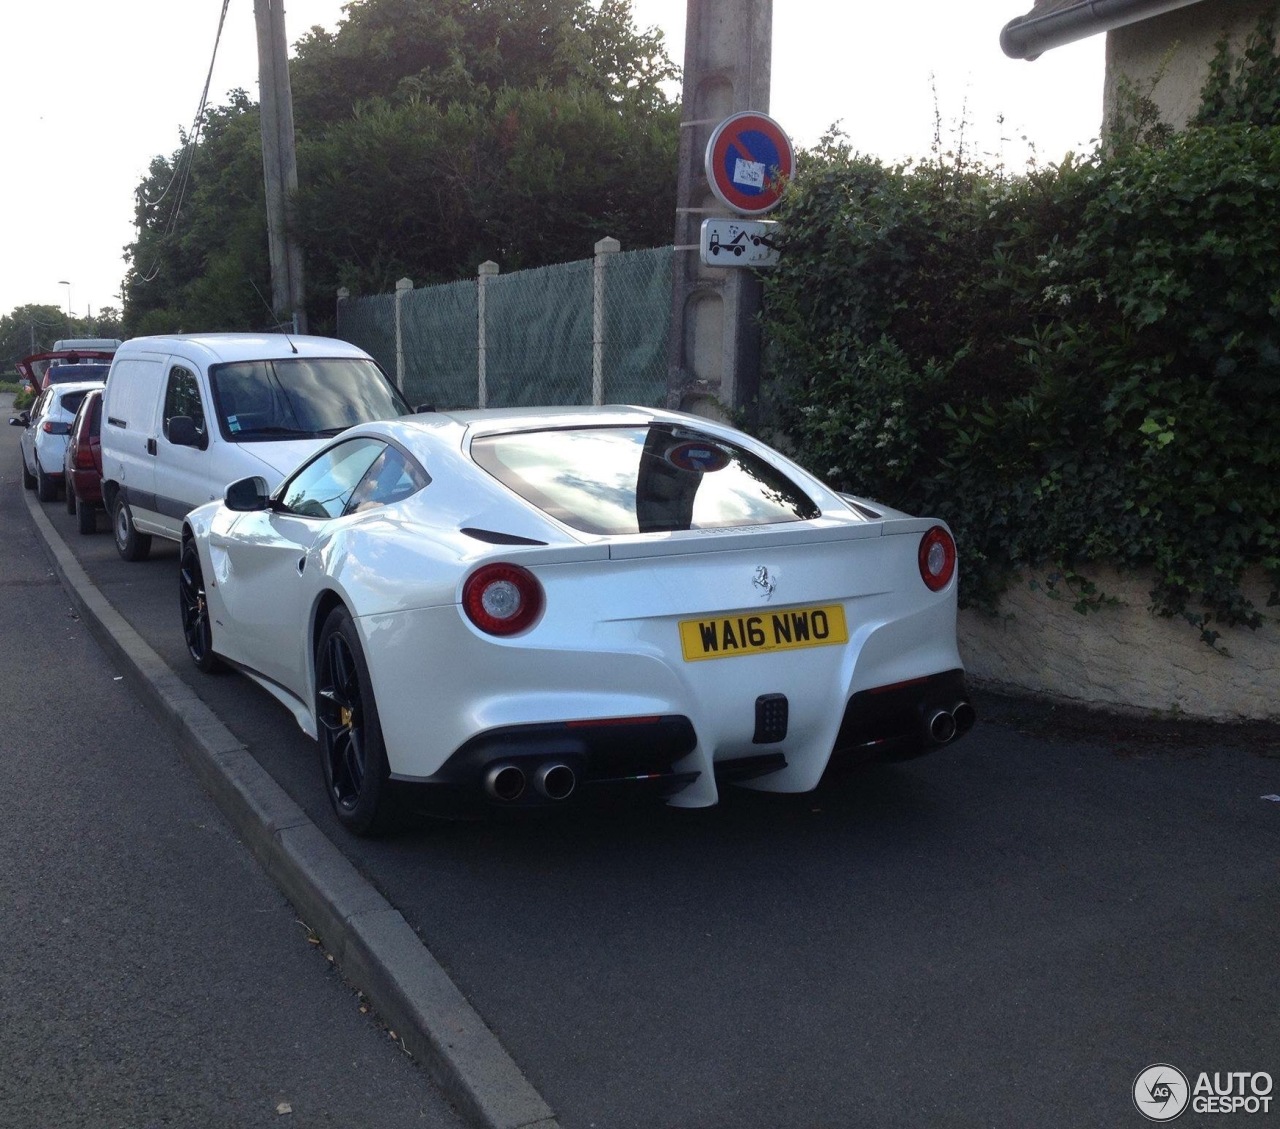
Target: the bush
(1076, 366)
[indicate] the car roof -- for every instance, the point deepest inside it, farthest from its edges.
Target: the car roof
(74, 386)
(220, 348)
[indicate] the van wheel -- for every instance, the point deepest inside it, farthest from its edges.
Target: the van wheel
(46, 488)
(130, 544)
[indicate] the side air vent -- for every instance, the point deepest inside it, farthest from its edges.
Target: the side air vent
(492, 537)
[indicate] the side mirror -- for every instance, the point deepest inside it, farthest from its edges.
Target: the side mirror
(182, 432)
(420, 409)
(22, 419)
(247, 495)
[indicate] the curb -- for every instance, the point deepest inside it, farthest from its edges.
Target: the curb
(370, 940)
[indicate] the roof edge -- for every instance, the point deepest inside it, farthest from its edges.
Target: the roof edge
(1029, 36)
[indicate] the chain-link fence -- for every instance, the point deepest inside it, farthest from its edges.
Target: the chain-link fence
(592, 331)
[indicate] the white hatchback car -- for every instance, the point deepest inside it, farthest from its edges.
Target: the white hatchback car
(44, 437)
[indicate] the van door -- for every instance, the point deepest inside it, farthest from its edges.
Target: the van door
(130, 415)
(182, 474)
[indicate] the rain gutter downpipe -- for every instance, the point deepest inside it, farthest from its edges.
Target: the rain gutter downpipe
(1029, 36)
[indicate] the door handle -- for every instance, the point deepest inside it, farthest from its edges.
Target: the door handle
(151, 446)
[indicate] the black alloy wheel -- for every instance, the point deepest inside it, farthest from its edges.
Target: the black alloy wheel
(195, 611)
(352, 753)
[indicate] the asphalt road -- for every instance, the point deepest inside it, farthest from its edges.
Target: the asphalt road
(150, 974)
(1003, 934)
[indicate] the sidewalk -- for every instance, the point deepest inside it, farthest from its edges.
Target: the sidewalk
(151, 972)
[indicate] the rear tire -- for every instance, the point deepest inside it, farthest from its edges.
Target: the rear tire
(86, 516)
(130, 544)
(353, 756)
(46, 488)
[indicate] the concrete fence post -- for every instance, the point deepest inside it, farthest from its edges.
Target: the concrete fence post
(487, 269)
(343, 295)
(604, 248)
(403, 286)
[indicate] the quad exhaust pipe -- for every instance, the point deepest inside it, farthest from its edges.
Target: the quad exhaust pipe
(507, 782)
(944, 725)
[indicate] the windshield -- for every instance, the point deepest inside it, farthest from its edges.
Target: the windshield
(300, 397)
(656, 479)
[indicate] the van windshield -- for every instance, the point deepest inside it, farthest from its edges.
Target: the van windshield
(300, 397)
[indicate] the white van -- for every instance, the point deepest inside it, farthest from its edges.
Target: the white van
(184, 416)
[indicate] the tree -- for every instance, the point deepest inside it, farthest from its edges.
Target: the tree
(432, 134)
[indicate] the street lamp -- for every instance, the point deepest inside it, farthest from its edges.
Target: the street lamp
(64, 282)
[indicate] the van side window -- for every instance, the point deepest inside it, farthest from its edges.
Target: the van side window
(182, 398)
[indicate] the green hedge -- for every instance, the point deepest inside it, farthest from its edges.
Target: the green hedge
(1076, 366)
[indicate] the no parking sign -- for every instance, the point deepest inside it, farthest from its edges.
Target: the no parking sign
(749, 160)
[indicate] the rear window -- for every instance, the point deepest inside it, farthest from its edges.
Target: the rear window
(65, 374)
(655, 479)
(70, 401)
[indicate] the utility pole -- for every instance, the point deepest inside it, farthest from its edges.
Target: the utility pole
(279, 163)
(713, 362)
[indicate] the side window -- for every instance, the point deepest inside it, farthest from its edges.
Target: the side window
(182, 398)
(391, 478)
(324, 487)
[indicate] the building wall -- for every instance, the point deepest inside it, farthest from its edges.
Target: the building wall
(1167, 58)
(1121, 656)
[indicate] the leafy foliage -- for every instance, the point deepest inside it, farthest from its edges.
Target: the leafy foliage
(431, 135)
(1080, 365)
(1246, 89)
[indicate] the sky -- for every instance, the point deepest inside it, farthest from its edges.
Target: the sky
(93, 91)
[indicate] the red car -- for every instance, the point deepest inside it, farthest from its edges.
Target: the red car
(83, 462)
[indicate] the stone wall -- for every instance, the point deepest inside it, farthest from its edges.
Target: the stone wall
(1124, 657)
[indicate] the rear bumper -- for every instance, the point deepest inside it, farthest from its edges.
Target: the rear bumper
(902, 721)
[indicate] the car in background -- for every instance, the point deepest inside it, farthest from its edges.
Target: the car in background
(82, 465)
(35, 369)
(46, 427)
(521, 608)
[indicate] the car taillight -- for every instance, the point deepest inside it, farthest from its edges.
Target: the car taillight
(82, 458)
(937, 558)
(502, 599)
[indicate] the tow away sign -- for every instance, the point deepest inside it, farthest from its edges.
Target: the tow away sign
(739, 243)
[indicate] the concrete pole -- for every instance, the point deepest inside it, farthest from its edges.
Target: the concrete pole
(403, 286)
(713, 362)
(604, 248)
(486, 271)
(279, 163)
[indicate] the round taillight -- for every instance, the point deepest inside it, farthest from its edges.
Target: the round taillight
(502, 599)
(937, 558)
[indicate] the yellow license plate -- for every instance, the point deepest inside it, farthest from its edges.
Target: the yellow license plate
(759, 633)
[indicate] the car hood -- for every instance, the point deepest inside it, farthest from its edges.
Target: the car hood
(277, 457)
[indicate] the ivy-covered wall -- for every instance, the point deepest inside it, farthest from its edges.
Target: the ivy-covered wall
(1075, 366)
